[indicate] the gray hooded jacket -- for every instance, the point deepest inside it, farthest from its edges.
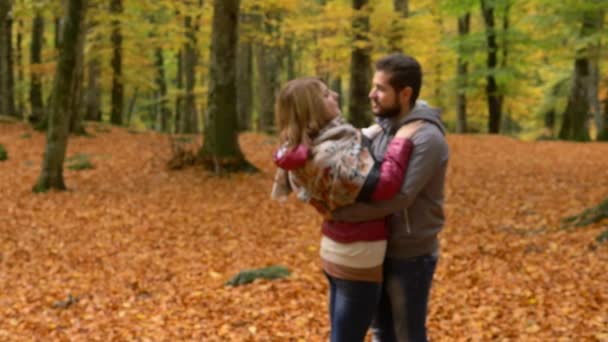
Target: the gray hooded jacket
(417, 212)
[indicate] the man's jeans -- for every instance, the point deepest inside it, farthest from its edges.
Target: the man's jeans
(403, 305)
(351, 308)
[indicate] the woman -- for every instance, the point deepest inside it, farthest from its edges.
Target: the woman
(328, 164)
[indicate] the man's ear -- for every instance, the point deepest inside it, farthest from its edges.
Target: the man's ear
(405, 94)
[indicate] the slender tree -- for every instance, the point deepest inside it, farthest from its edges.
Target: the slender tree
(244, 83)
(179, 97)
(5, 51)
(602, 134)
(36, 101)
(93, 91)
(116, 116)
(19, 102)
(268, 60)
(161, 90)
(360, 67)
(220, 150)
(189, 118)
(11, 68)
(494, 105)
(51, 175)
(77, 96)
(464, 24)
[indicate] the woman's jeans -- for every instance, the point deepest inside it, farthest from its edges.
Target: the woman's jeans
(401, 314)
(352, 305)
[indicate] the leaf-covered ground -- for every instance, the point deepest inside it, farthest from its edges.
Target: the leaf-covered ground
(135, 252)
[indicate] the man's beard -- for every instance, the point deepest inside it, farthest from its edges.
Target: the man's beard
(389, 112)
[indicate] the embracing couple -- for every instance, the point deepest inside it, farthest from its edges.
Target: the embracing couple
(380, 190)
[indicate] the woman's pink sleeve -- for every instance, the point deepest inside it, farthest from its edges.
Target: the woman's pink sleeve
(393, 169)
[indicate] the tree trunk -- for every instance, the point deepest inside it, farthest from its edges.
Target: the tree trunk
(494, 105)
(290, 55)
(179, 98)
(438, 95)
(244, 85)
(57, 136)
(397, 29)
(131, 106)
(268, 62)
(221, 151)
(77, 110)
(36, 97)
(595, 58)
(57, 32)
(11, 69)
(117, 81)
(189, 123)
(574, 124)
(603, 134)
(577, 109)
(20, 110)
(268, 83)
(161, 85)
(93, 93)
(360, 67)
(464, 25)
(5, 51)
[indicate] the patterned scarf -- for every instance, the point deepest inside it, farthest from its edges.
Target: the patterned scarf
(335, 174)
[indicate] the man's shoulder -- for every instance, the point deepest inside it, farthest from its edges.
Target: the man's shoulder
(429, 138)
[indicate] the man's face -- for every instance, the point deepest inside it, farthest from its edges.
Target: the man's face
(385, 101)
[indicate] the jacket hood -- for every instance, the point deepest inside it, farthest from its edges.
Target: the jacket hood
(421, 111)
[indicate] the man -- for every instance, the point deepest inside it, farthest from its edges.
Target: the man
(416, 214)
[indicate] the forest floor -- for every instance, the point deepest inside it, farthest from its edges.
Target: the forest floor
(135, 252)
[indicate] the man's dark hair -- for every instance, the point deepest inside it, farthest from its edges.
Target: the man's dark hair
(404, 71)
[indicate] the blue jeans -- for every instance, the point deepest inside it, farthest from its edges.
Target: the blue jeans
(351, 308)
(401, 314)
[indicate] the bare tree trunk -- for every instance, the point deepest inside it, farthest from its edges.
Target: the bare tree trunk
(189, 123)
(464, 24)
(268, 62)
(161, 85)
(36, 97)
(438, 62)
(574, 125)
(116, 116)
(494, 105)
(244, 84)
(11, 69)
(179, 99)
(5, 52)
(360, 67)
(595, 57)
(51, 175)
(57, 32)
(77, 112)
(268, 83)
(603, 134)
(20, 110)
(93, 93)
(221, 151)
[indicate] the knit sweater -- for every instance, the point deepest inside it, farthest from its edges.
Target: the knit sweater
(336, 170)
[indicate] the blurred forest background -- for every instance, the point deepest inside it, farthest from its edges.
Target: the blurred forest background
(528, 68)
(137, 251)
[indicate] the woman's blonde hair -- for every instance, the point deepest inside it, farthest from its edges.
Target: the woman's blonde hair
(300, 111)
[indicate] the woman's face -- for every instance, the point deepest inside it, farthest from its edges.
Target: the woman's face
(330, 98)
